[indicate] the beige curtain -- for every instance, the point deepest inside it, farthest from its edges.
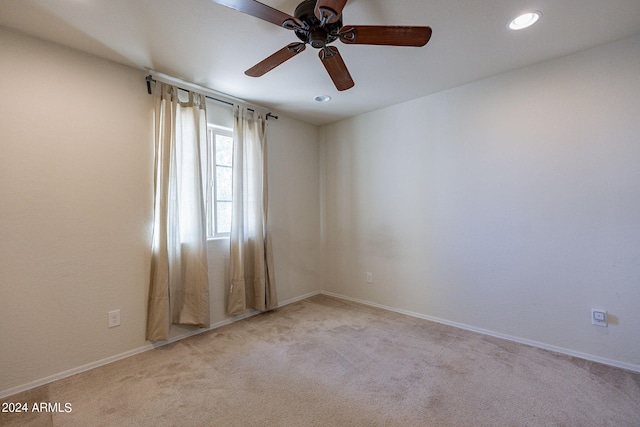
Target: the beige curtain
(252, 279)
(179, 288)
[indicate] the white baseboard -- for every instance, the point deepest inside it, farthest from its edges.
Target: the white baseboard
(300, 298)
(151, 346)
(142, 349)
(561, 350)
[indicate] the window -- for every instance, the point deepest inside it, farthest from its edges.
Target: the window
(219, 188)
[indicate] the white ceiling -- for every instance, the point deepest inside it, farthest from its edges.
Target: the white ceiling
(211, 45)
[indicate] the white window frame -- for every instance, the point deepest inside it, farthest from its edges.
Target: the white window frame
(212, 189)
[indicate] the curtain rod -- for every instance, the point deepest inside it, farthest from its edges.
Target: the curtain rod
(150, 79)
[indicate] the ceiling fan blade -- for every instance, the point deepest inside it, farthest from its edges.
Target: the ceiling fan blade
(336, 68)
(276, 59)
(388, 36)
(257, 9)
(329, 10)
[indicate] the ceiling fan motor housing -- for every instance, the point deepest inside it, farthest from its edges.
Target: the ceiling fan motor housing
(312, 32)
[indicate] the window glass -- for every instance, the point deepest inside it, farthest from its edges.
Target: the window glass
(224, 150)
(220, 181)
(223, 183)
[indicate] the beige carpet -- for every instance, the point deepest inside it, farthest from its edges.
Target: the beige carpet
(327, 362)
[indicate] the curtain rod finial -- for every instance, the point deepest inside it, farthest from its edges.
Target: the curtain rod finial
(149, 79)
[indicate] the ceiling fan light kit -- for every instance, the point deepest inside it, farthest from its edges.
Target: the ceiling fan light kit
(319, 23)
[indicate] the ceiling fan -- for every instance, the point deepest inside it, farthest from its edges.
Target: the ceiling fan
(319, 23)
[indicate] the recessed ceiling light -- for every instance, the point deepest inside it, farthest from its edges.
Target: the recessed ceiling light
(323, 98)
(525, 20)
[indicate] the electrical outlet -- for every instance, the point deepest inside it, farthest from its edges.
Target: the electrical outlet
(369, 277)
(599, 317)
(114, 318)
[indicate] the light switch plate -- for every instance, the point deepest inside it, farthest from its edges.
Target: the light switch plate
(114, 318)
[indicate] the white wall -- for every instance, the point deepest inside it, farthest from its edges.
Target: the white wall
(76, 158)
(294, 206)
(510, 205)
(75, 208)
